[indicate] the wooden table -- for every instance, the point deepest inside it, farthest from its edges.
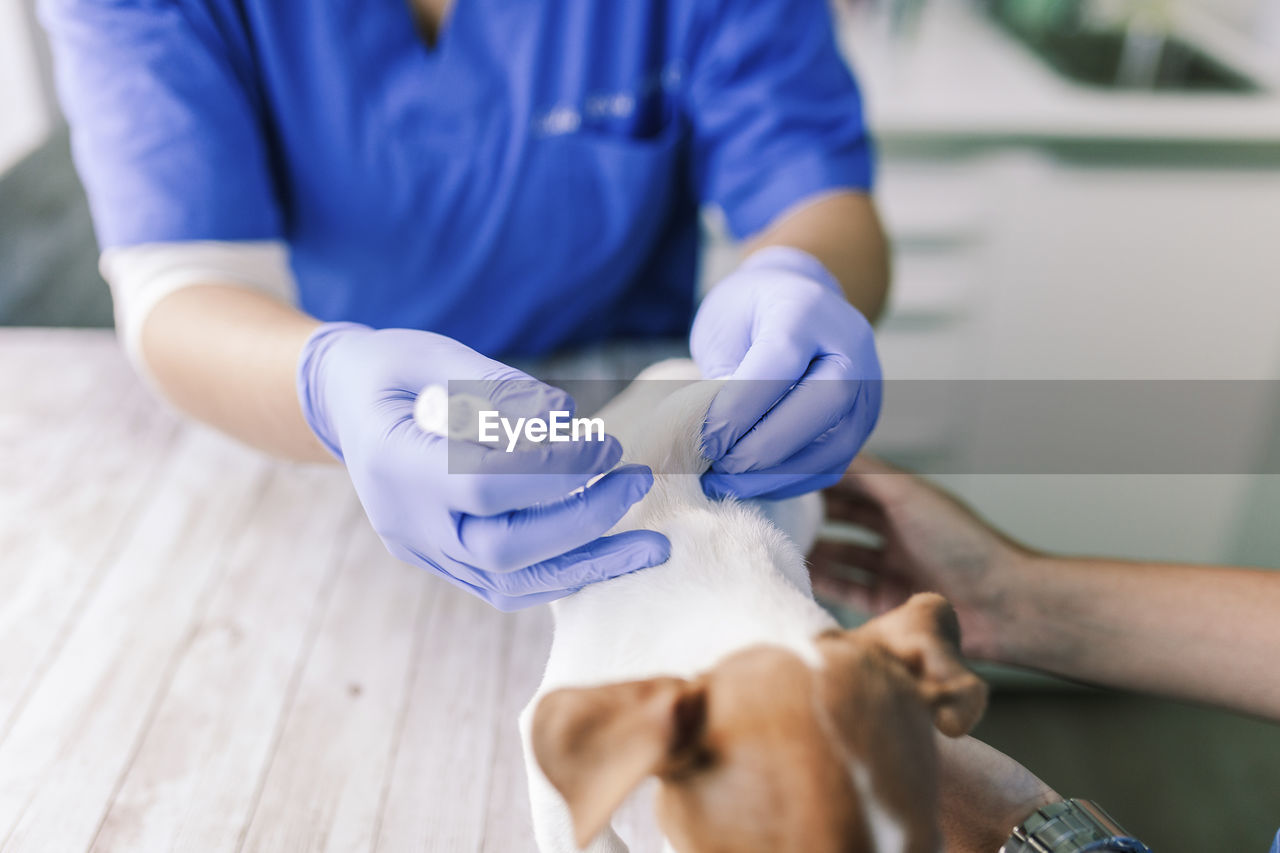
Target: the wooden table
(202, 649)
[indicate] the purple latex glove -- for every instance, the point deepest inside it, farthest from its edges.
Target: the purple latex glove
(503, 526)
(805, 383)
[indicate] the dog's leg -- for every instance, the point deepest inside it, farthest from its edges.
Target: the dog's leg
(552, 825)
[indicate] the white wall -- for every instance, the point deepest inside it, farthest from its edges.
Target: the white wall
(1259, 20)
(1239, 13)
(25, 115)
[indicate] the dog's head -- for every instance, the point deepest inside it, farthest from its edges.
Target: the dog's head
(766, 753)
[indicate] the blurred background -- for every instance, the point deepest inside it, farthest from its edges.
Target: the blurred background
(1074, 190)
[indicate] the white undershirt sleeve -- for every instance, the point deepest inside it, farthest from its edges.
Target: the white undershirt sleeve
(140, 276)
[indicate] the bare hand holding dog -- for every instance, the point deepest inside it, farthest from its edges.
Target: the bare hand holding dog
(929, 541)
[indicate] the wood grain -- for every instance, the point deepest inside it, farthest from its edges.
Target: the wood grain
(212, 735)
(324, 788)
(439, 783)
(65, 751)
(78, 487)
(204, 650)
(507, 823)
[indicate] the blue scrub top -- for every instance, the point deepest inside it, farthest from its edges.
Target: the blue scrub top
(530, 182)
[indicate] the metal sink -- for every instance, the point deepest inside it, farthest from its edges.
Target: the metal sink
(1116, 59)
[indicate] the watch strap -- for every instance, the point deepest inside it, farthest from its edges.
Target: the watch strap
(1071, 826)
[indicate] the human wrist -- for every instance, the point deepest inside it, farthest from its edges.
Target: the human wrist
(983, 794)
(1000, 613)
(1017, 606)
(1015, 812)
(795, 261)
(316, 350)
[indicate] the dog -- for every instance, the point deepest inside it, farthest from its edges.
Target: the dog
(769, 729)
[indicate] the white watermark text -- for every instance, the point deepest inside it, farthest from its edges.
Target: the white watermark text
(558, 427)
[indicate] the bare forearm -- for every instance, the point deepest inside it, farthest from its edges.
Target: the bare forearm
(228, 356)
(1204, 634)
(843, 231)
(983, 794)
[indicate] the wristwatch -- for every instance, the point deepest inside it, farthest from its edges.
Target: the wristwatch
(1071, 826)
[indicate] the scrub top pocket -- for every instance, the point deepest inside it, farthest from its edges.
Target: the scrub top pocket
(594, 206)
(606, 194)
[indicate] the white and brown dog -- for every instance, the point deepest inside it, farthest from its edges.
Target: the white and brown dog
(769, 729)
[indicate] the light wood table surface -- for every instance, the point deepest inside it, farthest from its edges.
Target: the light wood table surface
(202, 649)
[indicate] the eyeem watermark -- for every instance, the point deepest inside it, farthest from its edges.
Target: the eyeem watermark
(559, 427)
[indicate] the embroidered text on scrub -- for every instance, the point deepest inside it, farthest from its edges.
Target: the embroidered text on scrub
(606, 106)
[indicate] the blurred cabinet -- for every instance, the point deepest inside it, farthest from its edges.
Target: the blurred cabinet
(1046, 262)
(1046, 265)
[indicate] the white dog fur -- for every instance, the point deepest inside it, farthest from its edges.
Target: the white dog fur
(734, 579)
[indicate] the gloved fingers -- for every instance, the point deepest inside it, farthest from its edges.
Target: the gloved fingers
(601, 559)
(524, 537)
(410, 359)
(717, 347)
(832, 450)
(460, 576)
(493, 411)
(507, 603)
(471, 581)
(605, 558)
(766, 374)
(474, 581)
(479, 479)
(514, 603)
(818, 465)
(817, 403)
(518, 395)
(588, 454)
(486, 481)
(716, 359)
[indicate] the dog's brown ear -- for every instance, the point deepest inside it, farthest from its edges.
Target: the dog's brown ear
(924, 634)
(596, 744)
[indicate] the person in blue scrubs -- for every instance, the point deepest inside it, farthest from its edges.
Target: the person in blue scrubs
(310, 211)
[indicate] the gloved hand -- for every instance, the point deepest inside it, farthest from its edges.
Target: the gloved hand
(805, 383)
(503, 526)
